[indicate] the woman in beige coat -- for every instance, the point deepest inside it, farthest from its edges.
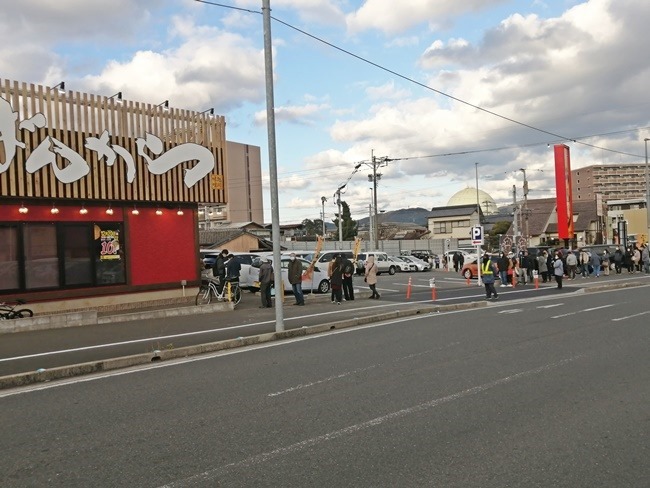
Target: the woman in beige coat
(371, 276)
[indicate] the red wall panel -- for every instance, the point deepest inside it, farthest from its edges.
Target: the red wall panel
(162, 247)
(564, 191)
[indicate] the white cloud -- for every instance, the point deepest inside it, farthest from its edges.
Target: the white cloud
(386, 91)
(393, 17)
(319, 11)
(297, 114)
(210, 68)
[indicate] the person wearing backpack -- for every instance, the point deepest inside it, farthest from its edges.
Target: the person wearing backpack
(348, 271)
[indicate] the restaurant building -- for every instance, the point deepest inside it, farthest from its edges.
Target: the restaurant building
(99, 196)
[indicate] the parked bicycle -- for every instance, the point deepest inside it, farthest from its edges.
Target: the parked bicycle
(209, 290)
(8, 311)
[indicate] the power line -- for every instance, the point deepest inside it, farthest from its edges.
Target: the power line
(423, 85)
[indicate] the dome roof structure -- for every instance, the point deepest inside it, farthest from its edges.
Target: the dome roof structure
(467, 196)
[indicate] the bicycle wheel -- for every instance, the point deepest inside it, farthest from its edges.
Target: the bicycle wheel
(235, 294)
(204, 295)
(24, 313)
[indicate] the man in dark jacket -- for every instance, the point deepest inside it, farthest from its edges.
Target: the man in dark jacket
(348, 271)
(295, 278)
(219, 269)
(266, 282)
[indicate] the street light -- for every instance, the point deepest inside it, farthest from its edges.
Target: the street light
(647, 190)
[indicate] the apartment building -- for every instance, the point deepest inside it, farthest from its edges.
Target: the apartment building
(611, 181)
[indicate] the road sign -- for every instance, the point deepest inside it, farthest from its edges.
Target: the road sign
(477, 235)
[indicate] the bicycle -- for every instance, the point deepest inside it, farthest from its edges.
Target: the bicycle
(209, 290)
(8, 312)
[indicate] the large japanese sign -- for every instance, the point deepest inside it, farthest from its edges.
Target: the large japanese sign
(564, 191)
(73, 145)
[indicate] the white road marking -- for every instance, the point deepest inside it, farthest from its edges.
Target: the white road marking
(583, 310)
(551, 305)
(512, 310)
(212, 475)
(355, 371)
(630, 316)
(563, 315)
(597, 308)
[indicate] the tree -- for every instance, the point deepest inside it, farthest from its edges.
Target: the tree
(499, 228)
(312, 227)
(349, 226)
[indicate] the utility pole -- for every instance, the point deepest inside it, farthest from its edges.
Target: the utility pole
(515, 226)
(338, 202)
(525, 204)
(273, 164)
(323, 200)
(374, 178)
(371, 228)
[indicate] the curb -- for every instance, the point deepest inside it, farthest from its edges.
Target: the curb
(92, 317)
(612, 287)
(45, 375)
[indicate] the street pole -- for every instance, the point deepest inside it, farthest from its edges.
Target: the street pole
(273, 164)
(323, 200)
(525, 203)
(647, 190)
(478, 216)
(374, 202)
(515, 227)
(338, 202)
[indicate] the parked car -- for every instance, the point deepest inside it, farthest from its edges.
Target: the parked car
(418, 263)
(319, 282)
(469, 270)
(244, 258)
(400, 264)
(381, 261)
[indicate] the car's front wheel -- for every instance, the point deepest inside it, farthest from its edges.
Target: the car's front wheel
(324, 286)
(391, 270)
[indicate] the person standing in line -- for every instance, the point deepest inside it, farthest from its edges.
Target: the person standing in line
(330, 268)
(645, 257)
(636, 259)
(558, 270)
(488, 272)
(233, 268)
(606, 262)
(456, 260)
(503, 269)
(594, 262)
(629, 264)
(348, 287)
(618, 260)
(524, 263)
(266, 282)
(371, 276)
(336, 280)
(295, 278)
(584, 262)
(542, 267)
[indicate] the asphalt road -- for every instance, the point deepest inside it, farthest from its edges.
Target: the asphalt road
(549, 392)
(30, 351)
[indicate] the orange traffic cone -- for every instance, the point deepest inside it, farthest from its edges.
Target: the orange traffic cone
(408, 289)
(434, 295)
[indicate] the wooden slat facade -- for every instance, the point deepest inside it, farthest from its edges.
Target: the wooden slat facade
(73, 117)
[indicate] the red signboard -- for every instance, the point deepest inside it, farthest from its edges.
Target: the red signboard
(564, 193)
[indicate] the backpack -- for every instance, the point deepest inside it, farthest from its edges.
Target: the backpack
(348, 268)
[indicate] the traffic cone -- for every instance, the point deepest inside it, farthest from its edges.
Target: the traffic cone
(434, 295)
(408, 289)
(514, 280)
(536, 282)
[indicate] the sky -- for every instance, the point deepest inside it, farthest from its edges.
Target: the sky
(447, 91)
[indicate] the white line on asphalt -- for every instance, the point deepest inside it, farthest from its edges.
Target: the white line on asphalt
(512, 310)
(630, 316)
(551, 305)
(583, 310)
(360, 370)
(598, 308)
(210, 476)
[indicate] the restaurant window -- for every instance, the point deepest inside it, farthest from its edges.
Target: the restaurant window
(62, 255)
(41, 256)
(9, 270)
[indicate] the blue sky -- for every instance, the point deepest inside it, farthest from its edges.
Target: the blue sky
(574, 69)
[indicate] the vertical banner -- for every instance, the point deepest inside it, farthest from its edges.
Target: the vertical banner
(564, 191)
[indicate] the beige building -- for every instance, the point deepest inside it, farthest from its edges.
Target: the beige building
(243, 189)
(611, 181)
(454, 222)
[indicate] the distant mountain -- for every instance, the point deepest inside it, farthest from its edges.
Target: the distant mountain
(416, 216)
